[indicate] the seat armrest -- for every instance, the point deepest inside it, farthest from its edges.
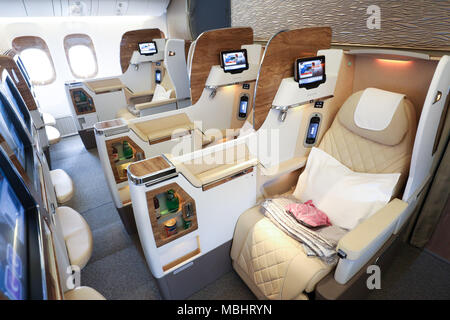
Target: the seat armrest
(154, 104)
(371, 231)
(284, 167)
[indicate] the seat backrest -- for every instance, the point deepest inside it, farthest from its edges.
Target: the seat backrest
(373, 151)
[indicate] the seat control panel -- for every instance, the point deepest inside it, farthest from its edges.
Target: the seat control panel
(312, 130)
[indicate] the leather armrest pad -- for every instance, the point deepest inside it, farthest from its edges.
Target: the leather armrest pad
(357, 240)
(147, 105)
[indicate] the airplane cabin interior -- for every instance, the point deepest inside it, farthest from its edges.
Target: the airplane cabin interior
(224, 150)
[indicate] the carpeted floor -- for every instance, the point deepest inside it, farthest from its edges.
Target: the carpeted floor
(118, 270)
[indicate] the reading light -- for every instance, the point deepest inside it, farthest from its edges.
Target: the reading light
(394, 62)
(171, 53)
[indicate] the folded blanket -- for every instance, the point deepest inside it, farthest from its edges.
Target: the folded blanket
(318, 242)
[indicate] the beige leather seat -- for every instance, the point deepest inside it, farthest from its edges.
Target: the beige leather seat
(274, 265)
(134, 109)
(83, 293)
(77, 235)
(63, 185)
(53, 134)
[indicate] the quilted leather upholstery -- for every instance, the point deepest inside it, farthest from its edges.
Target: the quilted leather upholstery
(363, 155)
(271, 259)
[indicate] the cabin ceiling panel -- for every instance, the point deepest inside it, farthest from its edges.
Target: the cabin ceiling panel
(422, 24)
(57, 8)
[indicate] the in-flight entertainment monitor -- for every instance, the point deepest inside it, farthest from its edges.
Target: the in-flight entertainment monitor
(13, 243)
(18, 102)
(234, 61)
(310, 72)
(21, 269)
(148, 48)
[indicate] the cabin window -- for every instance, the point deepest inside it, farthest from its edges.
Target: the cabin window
(36, 57)
(81, 57)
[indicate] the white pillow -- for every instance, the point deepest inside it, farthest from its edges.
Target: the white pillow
(160, 93)
(347, 197)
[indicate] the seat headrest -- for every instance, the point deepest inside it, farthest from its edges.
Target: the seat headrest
(388, 128)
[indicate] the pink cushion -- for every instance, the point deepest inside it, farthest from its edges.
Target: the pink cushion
(307, 214)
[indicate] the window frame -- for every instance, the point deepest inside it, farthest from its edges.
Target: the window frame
(82, 39)
(23, 43)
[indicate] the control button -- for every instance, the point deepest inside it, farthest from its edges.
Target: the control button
(318, 104)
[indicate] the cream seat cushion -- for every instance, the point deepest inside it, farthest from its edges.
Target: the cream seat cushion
(387, 151)
(159, 128)
(53, 134)
(48, 119)
(77, 235)
(274, 263)
(63, 185)
(83, 293)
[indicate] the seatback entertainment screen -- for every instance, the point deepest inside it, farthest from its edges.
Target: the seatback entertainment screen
(148, 48)
(234, 61)
(310, 72)
(13, 245)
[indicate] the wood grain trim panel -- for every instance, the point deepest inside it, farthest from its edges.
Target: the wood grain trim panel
(158, 229)
(187, 45)
(109, 150)
(207, 53)
(148, 166)
(130, 40)
(27, 42)
(80, 39)
(278, 63)
(8, 63)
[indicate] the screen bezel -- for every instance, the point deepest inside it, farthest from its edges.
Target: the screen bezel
(147, 54)
(312, 84)
(222, 63)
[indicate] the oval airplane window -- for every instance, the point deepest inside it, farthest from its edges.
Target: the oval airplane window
(80, 54)
(39, 66)
(82, 61)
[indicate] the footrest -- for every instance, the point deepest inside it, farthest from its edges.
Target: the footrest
(63, 184)
(53, 134)
(77, 235)
(83, 293)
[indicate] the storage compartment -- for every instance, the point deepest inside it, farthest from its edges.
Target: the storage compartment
(172, 213)
(122, 152)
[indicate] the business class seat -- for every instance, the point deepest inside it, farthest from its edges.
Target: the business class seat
(77, 235)
(137, 108)
(274, 265)
(63, 184)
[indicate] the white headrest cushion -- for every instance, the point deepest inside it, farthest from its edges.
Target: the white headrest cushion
(392, 134)
(376, 108)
